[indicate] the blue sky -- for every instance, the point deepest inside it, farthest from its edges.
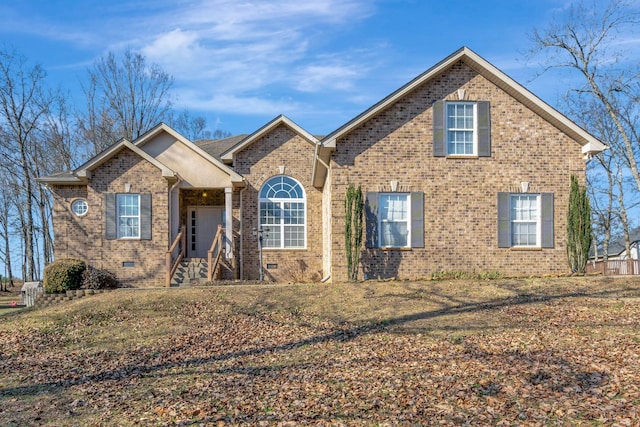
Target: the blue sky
(241, 63)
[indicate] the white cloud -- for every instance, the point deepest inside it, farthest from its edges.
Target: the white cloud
(232, 104)
(316, 78)
(230, 49)
(239, 55)
(177, 44)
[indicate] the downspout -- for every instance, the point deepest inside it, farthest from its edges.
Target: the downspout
(313, 166)
(240, 251)
(323, 163)
(317, 159)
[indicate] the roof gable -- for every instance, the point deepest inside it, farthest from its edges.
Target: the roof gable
(590, 144)
(88, 167)
(497, 77)
(229, 155)
(196, 150)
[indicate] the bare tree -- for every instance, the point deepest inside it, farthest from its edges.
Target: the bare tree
(4, 232)
(601, 196)
(124, 99)
(603, 101)
(60, 148)
(23, 104)
(193, 128)
(585, 41)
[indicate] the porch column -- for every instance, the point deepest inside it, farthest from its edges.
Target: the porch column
(228, 206)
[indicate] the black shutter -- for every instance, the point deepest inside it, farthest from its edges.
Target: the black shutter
(417, 219)
(504, 220)
(547, 220)
(439, 130)
(110, 219)
(484, 129)
(371, 220)
(145, 216)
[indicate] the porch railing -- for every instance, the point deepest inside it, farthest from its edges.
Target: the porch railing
(172, 261)
(214, 253)
(615, 267)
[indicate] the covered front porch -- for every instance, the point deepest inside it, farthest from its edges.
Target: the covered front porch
(202, 237)
(200, 203)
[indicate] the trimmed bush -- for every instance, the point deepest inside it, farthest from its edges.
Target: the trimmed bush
(63, 275)
(96, 278)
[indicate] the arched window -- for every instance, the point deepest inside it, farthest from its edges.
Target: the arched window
(282, 213)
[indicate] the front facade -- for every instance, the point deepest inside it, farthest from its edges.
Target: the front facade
(462, 170)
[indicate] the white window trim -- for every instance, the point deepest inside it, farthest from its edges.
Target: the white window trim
(381, 221)
(118, 216)
(538, 219)
(74, 202)
(475, 128)
(280, 202)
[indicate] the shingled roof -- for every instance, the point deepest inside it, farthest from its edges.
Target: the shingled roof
(215, 147)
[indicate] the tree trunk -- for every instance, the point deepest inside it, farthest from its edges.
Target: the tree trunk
(624, 219)
(47, 241)
(28, 218)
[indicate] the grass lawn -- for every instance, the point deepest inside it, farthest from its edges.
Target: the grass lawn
(557, 351)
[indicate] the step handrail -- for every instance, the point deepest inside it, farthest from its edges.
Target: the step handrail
(170, 265)
(212, 264)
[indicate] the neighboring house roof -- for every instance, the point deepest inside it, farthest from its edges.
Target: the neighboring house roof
(617, 244)
(618, 247)
(215, 147)
(162, 127)
(83, 173)
(228, 155)
(590, 144)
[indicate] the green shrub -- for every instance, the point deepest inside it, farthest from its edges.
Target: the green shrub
(62, 275)
(97, 278)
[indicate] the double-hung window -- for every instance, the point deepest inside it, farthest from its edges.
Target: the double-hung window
(394, 220)
(461, 128)
(283, 213)
(525, 220)
(128, 215)
(394, 216)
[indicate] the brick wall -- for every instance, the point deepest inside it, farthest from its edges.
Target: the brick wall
(84, 237)
(460, 195)
(259, 162)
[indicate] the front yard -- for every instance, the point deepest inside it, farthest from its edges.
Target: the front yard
(501, 352)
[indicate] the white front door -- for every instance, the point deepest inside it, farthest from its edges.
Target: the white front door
(202, 224)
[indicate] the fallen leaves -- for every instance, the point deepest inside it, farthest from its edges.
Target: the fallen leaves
(553, 356)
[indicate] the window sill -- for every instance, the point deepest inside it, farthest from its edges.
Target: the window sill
(526, 248)
(283, 249)
(462, 156)
(391, 248)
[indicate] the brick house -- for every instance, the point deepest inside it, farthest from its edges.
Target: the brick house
(463, 169)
